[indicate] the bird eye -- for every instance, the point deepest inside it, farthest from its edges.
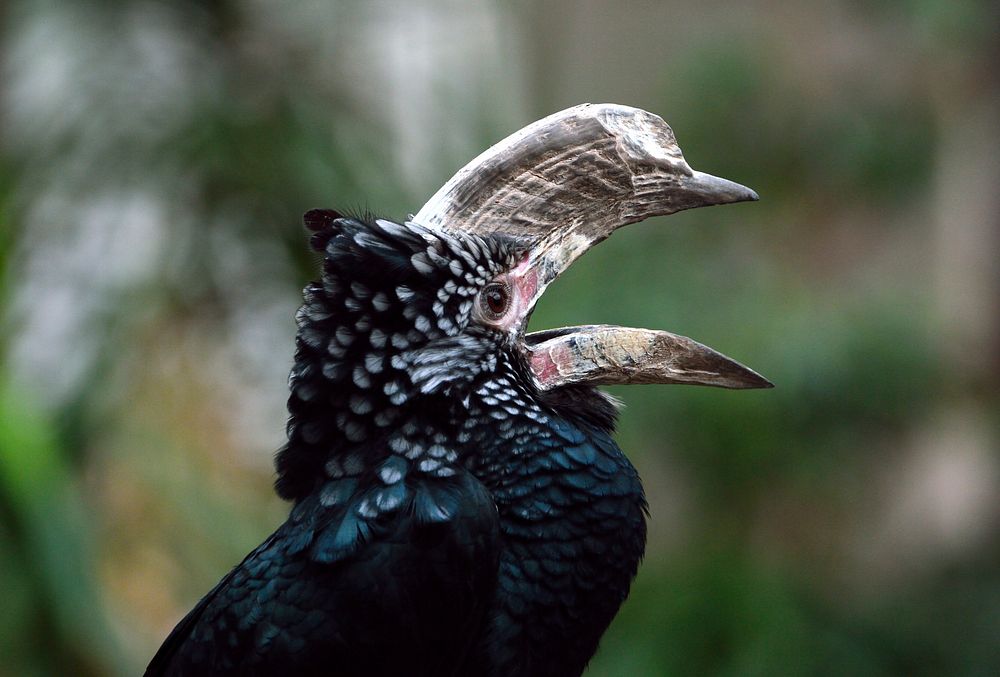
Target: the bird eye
(495, 300)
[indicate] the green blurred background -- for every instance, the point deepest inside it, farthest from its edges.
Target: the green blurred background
(155, 159)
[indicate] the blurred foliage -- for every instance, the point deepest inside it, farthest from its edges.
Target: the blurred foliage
(872, 147)
(52, 595)
(154, 163)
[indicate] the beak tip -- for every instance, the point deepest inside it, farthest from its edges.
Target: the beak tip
(740, 193)
(754, 381)
(714, 190)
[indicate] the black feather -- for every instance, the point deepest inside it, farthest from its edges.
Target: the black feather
(448, 518)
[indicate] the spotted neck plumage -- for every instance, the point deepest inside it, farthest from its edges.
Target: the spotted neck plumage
(394, 379)
(384, 347)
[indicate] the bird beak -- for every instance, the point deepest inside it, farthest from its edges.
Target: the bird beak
(562, 185)
(606, 355)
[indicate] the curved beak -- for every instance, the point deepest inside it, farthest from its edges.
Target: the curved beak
(608, 355)
(554, 251)
(562, 185)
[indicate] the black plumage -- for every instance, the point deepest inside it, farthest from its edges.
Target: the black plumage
(450, 516)
(459, 505)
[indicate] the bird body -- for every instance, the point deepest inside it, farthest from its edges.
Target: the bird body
(572, 524)
(447, 502)
(459, 504)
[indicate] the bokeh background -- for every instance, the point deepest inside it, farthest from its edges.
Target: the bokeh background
(155, 158)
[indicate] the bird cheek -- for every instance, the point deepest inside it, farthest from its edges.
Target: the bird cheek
(523, 289)
(524, 282)
(524, 278)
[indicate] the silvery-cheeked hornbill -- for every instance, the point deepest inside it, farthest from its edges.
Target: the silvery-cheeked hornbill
(460, 507)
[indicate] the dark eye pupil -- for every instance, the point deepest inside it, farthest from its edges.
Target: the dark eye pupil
(496, 299)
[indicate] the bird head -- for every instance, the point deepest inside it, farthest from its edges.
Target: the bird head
(411, 321)
(561, 186)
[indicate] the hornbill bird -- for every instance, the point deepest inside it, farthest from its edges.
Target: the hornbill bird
(459, 504)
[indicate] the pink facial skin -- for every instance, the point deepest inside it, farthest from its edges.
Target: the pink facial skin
(522, 281)
(545, 363)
